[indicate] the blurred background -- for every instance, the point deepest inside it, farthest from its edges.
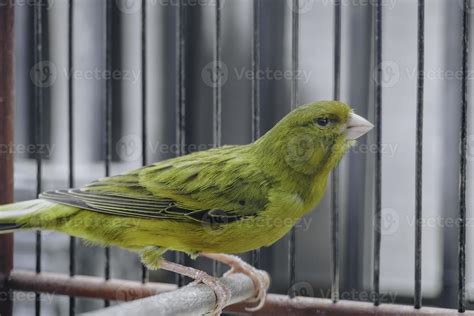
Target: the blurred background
(443, 33)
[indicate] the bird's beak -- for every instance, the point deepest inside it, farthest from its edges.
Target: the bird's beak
(357, 126)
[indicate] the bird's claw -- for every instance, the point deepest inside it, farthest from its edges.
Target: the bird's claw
(222, 293)
(260, 278)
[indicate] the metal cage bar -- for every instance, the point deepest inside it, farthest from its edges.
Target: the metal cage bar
(180, 97)
(463, 158)
(108, 115)
(256, 105)
(217, 94)
(72, 240)
(38, 127)
(6, 137)
(124, 290)
(419, 153)
(378, 158)
(294, 103)
(335, 174)
(145, 275)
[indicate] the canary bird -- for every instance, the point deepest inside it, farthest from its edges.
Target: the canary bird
(213, 203)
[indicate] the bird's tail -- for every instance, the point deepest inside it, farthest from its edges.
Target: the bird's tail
(14, 216)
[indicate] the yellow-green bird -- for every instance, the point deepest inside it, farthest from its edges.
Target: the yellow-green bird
(222, 201)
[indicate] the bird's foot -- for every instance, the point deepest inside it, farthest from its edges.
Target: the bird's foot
(260, 278)
(221, 292)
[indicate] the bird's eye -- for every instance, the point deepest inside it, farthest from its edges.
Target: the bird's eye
(322, 121)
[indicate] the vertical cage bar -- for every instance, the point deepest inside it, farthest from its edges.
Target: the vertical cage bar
(463, 160)
(6, 138)
(256, 93)
(72, 240)
(378, 158)
(108, 115)
(145, 275)
(217, 96)
(217, 99)
(294, 103)
(180, 98)
(419, 153)
(335, 174)
(38, 105)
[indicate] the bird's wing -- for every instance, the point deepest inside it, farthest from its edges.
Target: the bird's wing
(218, 186)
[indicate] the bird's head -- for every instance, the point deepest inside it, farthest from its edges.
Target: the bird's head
(314, 137)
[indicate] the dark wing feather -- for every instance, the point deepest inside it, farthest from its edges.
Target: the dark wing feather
(175, 190)
(132, 207)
